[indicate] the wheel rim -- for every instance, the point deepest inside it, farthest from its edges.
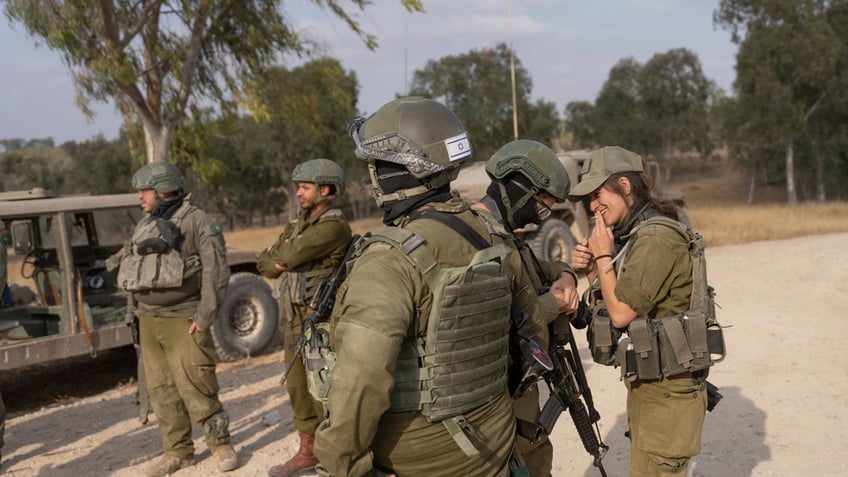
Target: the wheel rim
(244, 318)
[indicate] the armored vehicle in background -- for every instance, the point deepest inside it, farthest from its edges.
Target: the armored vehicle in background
(65, 303)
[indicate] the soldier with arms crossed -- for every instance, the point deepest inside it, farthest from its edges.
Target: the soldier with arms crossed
(307, 251)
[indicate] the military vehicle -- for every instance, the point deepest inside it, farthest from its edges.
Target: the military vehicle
(65, 303)
(553, 239)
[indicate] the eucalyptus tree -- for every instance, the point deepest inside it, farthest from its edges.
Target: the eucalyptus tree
(159, 59)
(790, 68)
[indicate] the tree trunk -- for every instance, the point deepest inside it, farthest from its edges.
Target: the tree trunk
(752, 183)
(157, 141)
(820, 191)
(791, 193)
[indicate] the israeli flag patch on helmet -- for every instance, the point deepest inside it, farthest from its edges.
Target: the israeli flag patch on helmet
(459, 147)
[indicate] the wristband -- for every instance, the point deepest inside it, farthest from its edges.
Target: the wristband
(606, 255)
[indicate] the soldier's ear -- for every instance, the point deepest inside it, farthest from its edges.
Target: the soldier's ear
(324, 190)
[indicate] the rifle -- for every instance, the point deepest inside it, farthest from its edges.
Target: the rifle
(322, 303)
(567, 385)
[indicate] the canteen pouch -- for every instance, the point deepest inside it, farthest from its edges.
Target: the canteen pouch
(602, 336)
(715, 335)
(643, 336)
(626, 356)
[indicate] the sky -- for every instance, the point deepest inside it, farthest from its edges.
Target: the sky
(567, 46)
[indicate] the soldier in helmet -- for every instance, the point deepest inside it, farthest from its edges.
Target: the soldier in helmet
(308, 250)
(527, 179)
(417, 372)
(175, 267)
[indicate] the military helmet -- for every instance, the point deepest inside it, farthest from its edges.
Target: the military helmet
(536, 162)
(321, 172)
(420, 134)
(161, 176)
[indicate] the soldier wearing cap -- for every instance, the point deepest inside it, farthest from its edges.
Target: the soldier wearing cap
(308, 250)
(648, 274)
(175, 267)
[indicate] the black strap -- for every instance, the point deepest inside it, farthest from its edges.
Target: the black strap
(455, 223)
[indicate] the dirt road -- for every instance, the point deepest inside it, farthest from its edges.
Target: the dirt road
(784, 384)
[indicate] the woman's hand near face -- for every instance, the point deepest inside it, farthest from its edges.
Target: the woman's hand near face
(601, 240)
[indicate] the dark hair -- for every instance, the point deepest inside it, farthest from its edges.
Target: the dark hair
(640, 188)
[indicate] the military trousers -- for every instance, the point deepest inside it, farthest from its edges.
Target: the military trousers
(539, 457)
(308, 412)
(666, 418)
(181, 382)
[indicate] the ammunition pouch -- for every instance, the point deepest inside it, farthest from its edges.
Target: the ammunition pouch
(318, 360)
(300, 287)
(153, 260)
(151, 271)
(668, 347)
(603, 336)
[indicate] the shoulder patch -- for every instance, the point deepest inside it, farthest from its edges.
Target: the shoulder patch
(216, 228)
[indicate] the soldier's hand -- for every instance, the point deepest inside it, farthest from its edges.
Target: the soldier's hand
(565, 291)
(193, 327)
(581, 257)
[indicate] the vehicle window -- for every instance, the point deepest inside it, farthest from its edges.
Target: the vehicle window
(115, 226)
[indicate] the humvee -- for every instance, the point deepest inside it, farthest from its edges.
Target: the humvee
(65, 304)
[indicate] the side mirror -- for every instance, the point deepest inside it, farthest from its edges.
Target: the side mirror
(22, 235)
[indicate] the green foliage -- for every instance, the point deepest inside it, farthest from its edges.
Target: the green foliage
(477, 87)
(791, 83)
(308, 108)
(656, 108)
(160, 58)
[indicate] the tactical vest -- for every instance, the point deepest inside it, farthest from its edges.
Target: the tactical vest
(653, 348)
(153, 260)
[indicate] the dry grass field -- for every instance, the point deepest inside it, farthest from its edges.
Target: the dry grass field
(728, 224)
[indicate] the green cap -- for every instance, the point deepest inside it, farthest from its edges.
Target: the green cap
(603, 163)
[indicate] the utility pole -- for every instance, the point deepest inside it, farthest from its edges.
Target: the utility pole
(512, 73)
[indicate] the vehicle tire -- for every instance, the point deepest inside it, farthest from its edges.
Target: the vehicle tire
(247, 321)
(553, 241)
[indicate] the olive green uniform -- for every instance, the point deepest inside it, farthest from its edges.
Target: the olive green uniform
(539, 456)
(180, 367)
(374, 312)
(665, 416)
(305, 245)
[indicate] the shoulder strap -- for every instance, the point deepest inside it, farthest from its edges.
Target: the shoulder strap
(454, 222)
(696, 245)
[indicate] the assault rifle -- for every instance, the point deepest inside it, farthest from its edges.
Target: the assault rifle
(570, 390)
(322, 302)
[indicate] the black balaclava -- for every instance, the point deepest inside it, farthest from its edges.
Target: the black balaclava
(394, 177)
(526, 214)
(166, 207)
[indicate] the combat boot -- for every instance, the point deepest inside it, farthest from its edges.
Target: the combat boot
(302, 462)
(167, 465)
(226, 457)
